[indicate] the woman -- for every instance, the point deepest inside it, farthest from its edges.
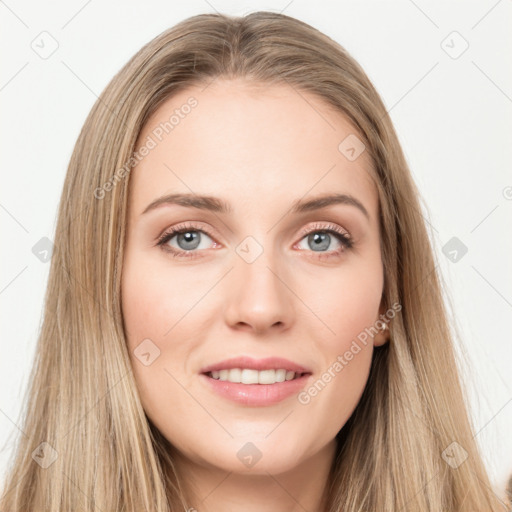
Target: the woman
(243, 310)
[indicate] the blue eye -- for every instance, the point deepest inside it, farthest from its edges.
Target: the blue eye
(320, 240)
(187, 238)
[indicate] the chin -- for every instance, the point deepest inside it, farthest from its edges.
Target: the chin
(255, 455)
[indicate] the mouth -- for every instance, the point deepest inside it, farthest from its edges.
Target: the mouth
(255, 382)
(253, 388)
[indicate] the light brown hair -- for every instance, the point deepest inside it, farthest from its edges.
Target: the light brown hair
(82, 397)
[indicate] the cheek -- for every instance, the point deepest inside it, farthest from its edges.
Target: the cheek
(144, 307)
(154, 314)
(155, 299)
(164, 317)
(348, 305)
(333, 395)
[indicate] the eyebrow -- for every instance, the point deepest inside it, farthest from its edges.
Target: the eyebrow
(217, 205)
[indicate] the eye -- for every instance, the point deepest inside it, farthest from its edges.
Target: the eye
(188, 238)
(320, 237)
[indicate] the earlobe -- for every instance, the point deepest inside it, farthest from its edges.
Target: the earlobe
(383, 325)
(382, 337)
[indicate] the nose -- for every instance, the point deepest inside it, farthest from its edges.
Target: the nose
(259, 297)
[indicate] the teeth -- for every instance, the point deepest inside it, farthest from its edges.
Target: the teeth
(281, 375)
(246, 376)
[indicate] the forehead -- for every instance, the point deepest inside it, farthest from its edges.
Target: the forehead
(241, 141)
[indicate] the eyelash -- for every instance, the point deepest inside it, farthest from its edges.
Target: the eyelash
(343, 238)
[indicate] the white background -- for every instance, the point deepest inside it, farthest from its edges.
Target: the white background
(452, 115)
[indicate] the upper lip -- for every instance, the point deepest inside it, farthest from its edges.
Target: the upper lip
(268, 363)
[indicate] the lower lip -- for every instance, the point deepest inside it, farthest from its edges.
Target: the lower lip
(257, 394)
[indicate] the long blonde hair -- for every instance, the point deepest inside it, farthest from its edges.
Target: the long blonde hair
(102, 453)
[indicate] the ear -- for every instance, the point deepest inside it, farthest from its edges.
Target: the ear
(382, 337)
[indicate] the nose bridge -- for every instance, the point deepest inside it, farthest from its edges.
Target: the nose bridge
(258, 294)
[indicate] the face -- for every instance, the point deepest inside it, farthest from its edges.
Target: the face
(261, 278)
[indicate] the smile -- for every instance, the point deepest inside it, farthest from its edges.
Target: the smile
(249, 376)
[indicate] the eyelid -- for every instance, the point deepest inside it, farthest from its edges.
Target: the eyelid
(191, 225)
(199, 226)
(323, 226)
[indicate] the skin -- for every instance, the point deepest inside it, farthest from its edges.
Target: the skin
(260, 149)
